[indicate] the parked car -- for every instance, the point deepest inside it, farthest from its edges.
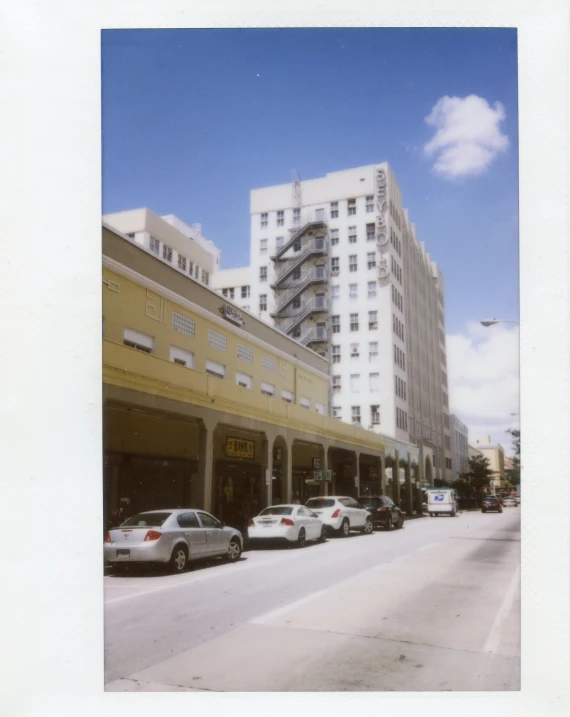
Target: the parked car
(171, 536)
(341, 514)
(383, 512)
(291, 523)
(510, 501)
(491, 502)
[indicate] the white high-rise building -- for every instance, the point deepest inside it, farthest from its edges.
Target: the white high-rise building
(336, 264)
(459, 447)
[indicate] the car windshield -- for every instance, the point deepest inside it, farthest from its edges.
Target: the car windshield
(277, 510)
(145, 520)
(491, 500)
(319, 503)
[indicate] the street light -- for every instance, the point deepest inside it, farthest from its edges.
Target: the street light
(491, 322)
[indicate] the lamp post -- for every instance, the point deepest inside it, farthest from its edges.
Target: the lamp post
(492, 322)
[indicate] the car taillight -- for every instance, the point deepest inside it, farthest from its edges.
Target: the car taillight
(250, 523)
(287, 521)
(379, 510)
(152, 535)
(336, 513)
(108, 537)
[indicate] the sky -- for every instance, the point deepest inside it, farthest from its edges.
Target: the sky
(194, 119)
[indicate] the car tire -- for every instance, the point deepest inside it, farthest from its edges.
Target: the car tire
(483, 510)
(344, 529)
(323, 536)
(388, 525)
(368, 528)
(453, 513)
(301, 539)
(179, 559)
(400, 523)
(234, 551)
(500, 510)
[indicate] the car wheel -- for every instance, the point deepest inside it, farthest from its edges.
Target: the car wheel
(453, 513)
(344, 528)
(301, 538)
(323, 536)
(179, 559)
(400, 523)
(483, 510)
(500, 510)
(368, 527)
(234, 551)
(388, 525)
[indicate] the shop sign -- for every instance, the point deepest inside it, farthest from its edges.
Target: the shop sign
(316, 464)
(231, 314)
(322, 476)
(239, 448)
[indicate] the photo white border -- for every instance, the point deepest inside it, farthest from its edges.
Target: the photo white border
(52, 618)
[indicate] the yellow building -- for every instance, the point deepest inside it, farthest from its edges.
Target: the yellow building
(496, 455)
(205, 405)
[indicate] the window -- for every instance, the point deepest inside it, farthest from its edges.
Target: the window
(337, 412)
(297, 245)
(353, 291)
(335, 266)
(245, 292)
(244, 353)
(215, 369)
(351, 207)
(335, 292)
(355, 382)
(297, 302)
(154, 245)
(231, 292)
(372, 286)
(225, 293)
(352, 263)
(267, 388)
(196, 271)
(131, 235)
(138, 341)
(335, 320)
(372, 320)
(188, 520)
(263, 302)
(181, 262)
(305, 402)
(296, 215)
(372, 350)
(296, 274)
(206, 278)
(287, 396)
(355, 413)
(243, 380)
(336, 354)
(245, 308)
(374, 415)
(262, 273)
(264, 218)
(263, 246)
(280, 218)
(183, 324)
(334, 237)
(370, 204)
(354, 350)
(354, 322)
(166, 252)
(334, 210)
(184, 358)
(208, 521)
(217, 340)
(352, 235)
(374, 381)
(279, 243)
(268, 363)
(320, 408)
(370, 232)
(371, 259)
(336, 384)
(190, 267)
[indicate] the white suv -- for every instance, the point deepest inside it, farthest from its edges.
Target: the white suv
(341, 514)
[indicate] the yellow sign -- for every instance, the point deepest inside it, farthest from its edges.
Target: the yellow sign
(239, 448)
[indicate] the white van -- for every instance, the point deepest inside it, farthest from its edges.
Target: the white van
(441, 501)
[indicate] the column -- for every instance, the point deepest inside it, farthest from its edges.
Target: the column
(269, 491)
(382, 474)
(420, 479)
(287, 477)
(326, 466)
(409, 488)
(202, 492)
(357, 476)
(396, 478)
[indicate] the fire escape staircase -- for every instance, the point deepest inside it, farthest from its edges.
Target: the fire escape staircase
(315, 247)
(294, 288)
(316, 334)
(305, 225)
(317, 304)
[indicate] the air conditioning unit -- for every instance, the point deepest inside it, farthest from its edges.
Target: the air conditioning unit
(335, 272)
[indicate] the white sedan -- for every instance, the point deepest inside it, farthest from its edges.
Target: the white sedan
(291, 523)
(510, 502)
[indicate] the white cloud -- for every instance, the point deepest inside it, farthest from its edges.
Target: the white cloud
(483, 375)
(467, 135)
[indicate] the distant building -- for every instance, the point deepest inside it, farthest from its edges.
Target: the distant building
(234, 285)
(459, 447)
(496, 455)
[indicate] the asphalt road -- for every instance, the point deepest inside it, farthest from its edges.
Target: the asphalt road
(434, 606)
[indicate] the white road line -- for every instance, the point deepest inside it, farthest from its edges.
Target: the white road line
(269, 616)
(494, 637)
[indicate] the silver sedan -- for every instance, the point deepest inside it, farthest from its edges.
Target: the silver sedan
(175, 537)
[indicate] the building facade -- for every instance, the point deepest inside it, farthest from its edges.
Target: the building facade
(210, 407)
(336, 264)
(496, 455)
(235, 285)
(459, 447)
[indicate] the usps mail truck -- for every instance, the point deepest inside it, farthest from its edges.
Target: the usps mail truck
(441, 501)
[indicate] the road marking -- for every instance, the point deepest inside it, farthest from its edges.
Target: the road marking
(269, 616)
(494, 637)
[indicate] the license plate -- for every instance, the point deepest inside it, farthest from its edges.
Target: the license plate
(123, 553)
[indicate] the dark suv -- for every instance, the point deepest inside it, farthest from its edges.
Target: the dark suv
(491, 503)
(383, 511)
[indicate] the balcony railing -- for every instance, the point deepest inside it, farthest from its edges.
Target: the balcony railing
(294, 288)
(314, 305)
(316, 334)
(318, 246)
(308, 220)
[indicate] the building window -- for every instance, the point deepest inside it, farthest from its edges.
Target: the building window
(154, 245)
(267, 388)
(263, 302)
(243, 380)
(264, 218)
(245, 292)
(336, 384)
(335, 266)
(352, 263)
(355, 382)
(213, 368)
(370, 232)
(262, 273)
(334, 237)
(263, 246)
(351, 207)
(217, 340)
(352, 235)
(372, 350)
(225, 293)
(182, 262)
(354, 350)
(372, 288)
(287, 396)
(183, 324)
(206, 278)
(280, 218)
(268, 363)
(297, 302)
(196, 271)
(167, 252)
(279, 243)
(296, 215)
(374, 415)
(354, 322)
(372, 320)
(355, 413)
(179, 356)
(335, 292)
(334, 210)
(336, 353)
(335, 320)
(371, 259)
(369, 204)
(244, 353)
(138, 341)
(337, 412)
(231, 292)
(353, 291)
(374, 382)
(305, 402)
(190, 267)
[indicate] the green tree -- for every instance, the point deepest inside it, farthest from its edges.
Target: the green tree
(479, 473)
(515, 473)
